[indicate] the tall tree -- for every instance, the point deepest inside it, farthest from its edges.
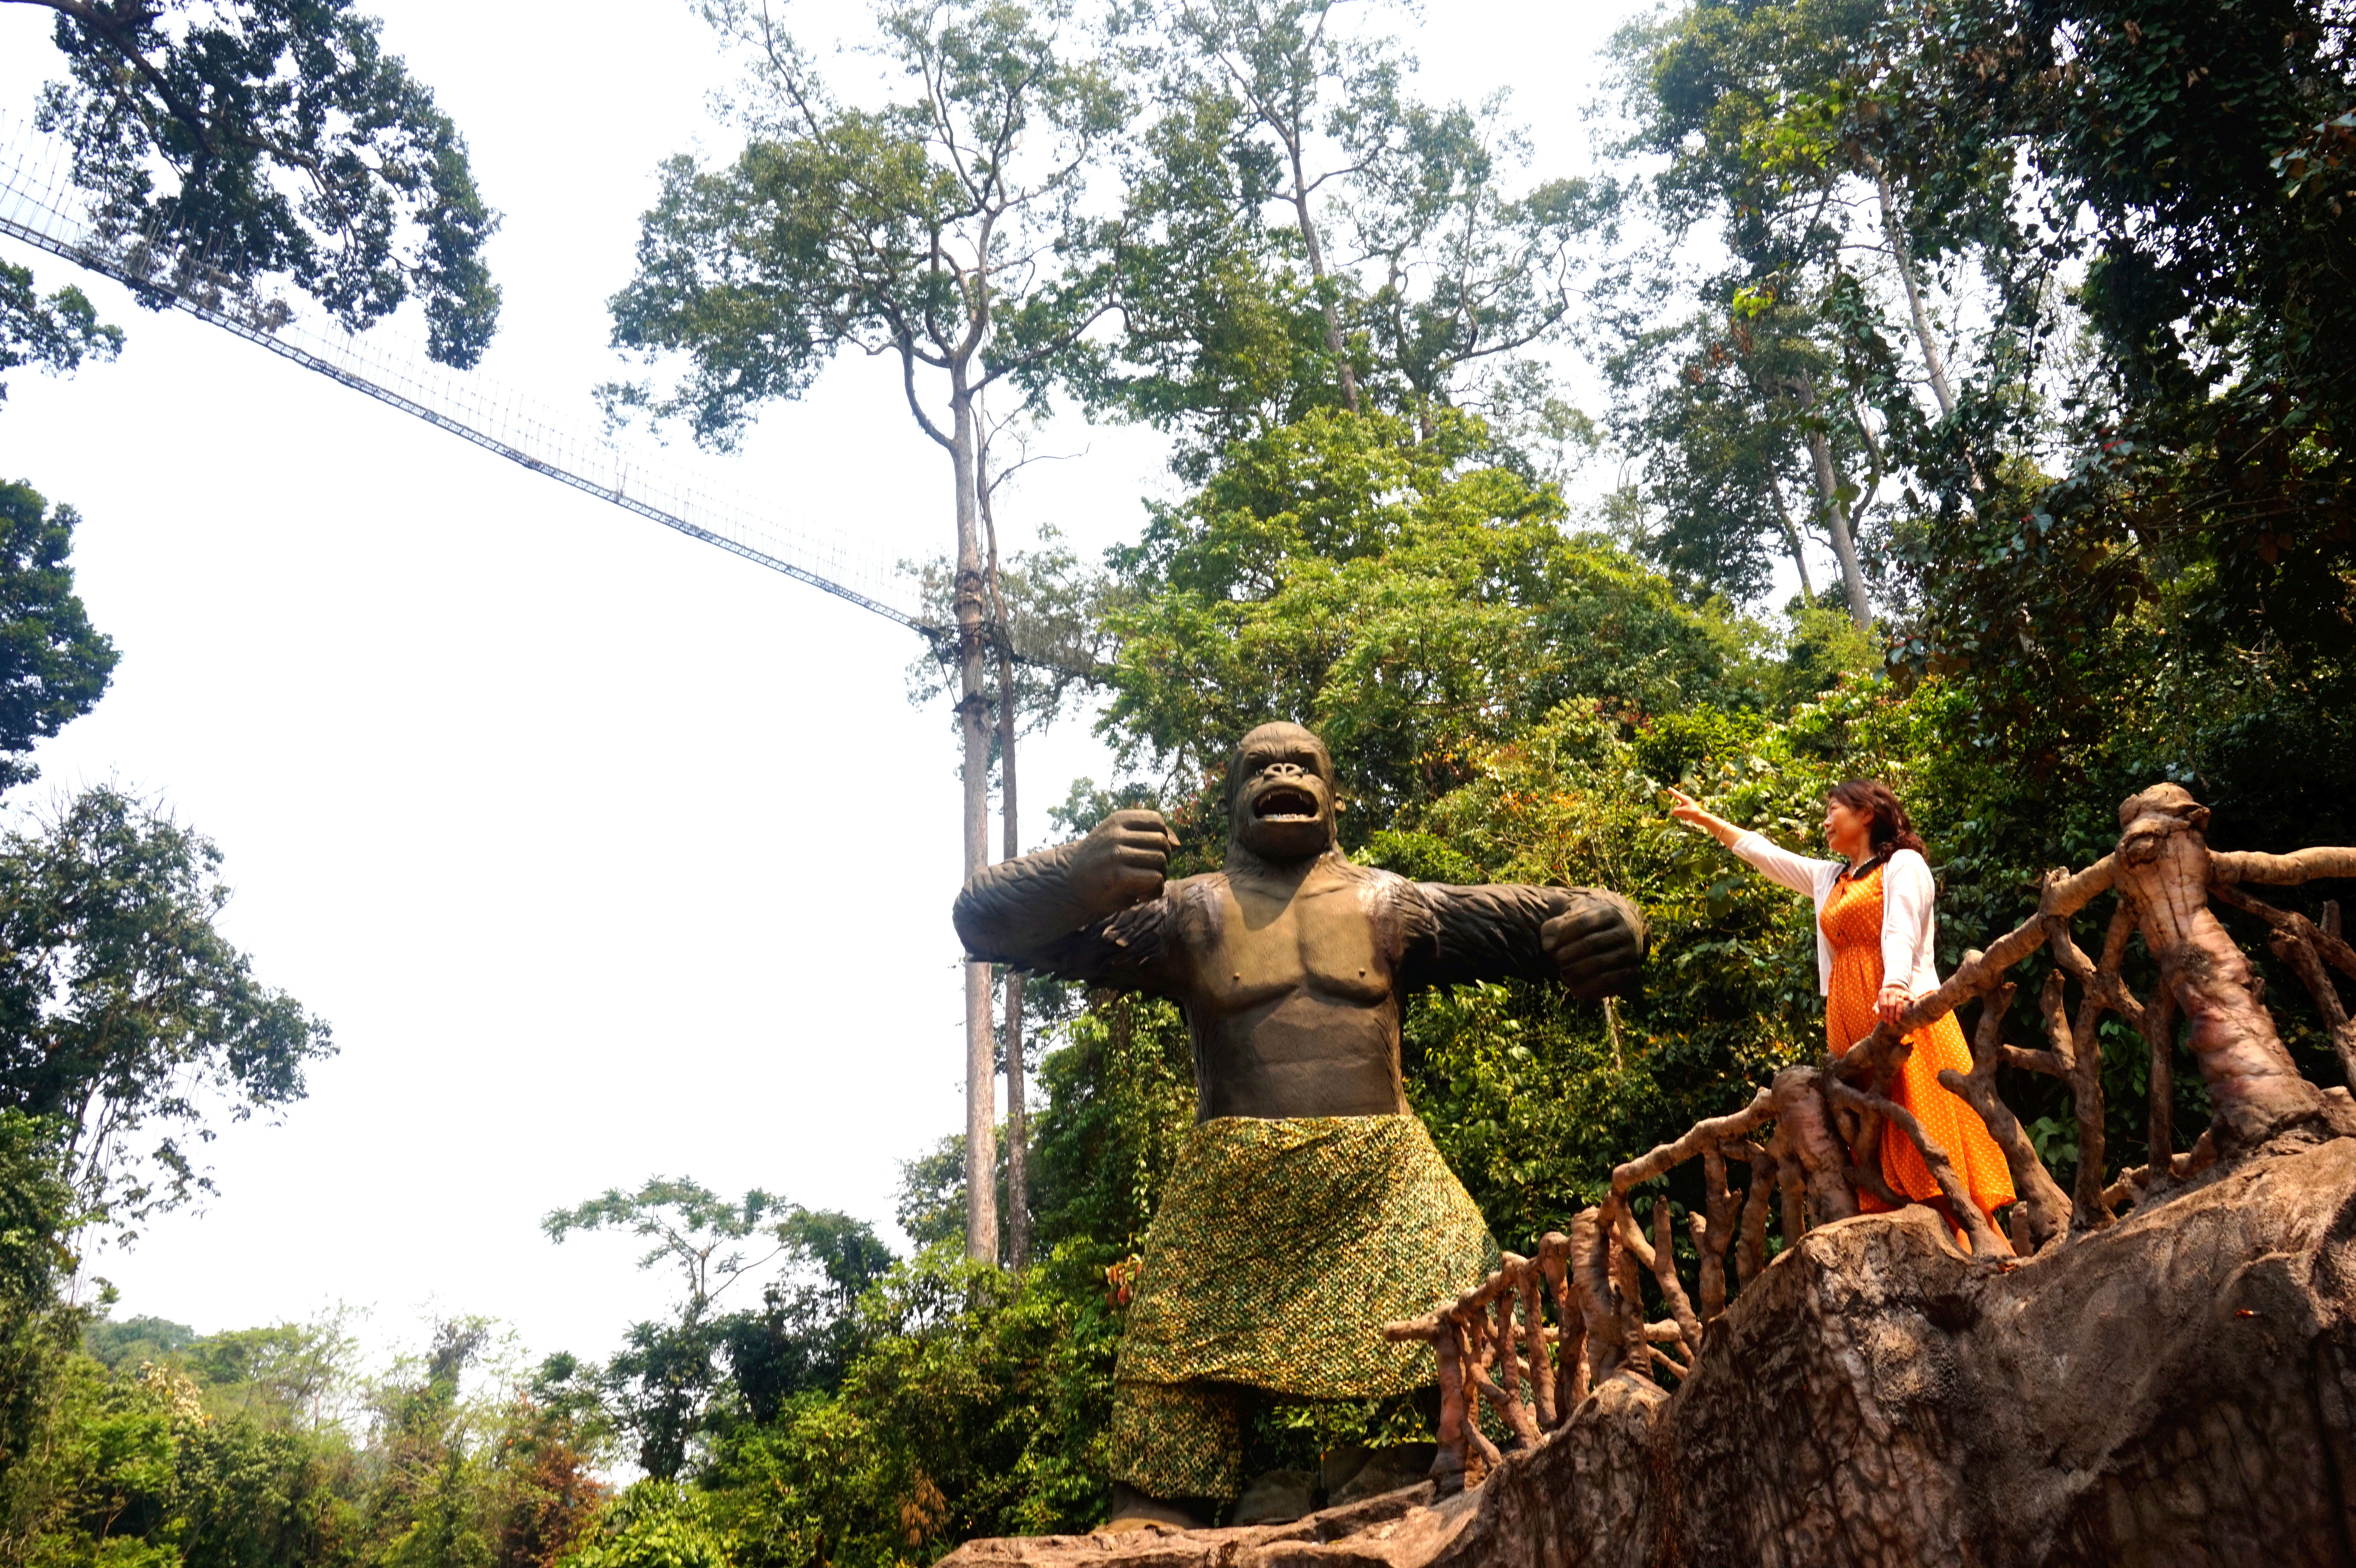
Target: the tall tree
(947, 229)
(2198, 162)
(55, 332)
(1047, 642)
(1306, 234)
(1838, 179)
(660, 1382)
(125, 1014)
(663, 1384)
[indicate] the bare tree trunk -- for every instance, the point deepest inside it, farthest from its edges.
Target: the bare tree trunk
(973, 726)
(1903, 259)
(1791, 537)
(1316, 253)
(1899, 256)
(1018, 1183)
(1820, 449)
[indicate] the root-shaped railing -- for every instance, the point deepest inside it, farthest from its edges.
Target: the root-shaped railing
(1534, 1340)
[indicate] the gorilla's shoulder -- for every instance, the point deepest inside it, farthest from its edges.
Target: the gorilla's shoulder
(1375, 879)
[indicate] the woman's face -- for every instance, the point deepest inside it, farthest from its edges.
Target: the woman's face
(1848, 830)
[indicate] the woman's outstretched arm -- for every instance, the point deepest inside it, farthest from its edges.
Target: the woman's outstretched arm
(1776, 864)
(1689, 811)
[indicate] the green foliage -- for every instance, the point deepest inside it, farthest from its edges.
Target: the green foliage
(673, 1380)
(36, 1211)
(1386, 588)
(191, 1459)
(1506, 699)
(654, 1524)
(54, 665)
(1534, 1098)
(1120, 1100)
(2125, 222)
(123, 1011)
(112, 1344)
(913, 230)
(269, 140)
(1301, 234)
(56, 332)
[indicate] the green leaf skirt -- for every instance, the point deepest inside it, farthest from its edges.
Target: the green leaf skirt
(1281, 1249)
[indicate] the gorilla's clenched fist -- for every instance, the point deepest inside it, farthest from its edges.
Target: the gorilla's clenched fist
(1122, 861)
(1597, 946)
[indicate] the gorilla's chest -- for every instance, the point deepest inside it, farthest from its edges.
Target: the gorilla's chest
(1321, 937)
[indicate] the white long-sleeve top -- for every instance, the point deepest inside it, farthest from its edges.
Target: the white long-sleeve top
(1908, 894)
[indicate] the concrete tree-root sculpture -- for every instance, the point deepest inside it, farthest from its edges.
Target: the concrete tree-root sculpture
(2177, 1386)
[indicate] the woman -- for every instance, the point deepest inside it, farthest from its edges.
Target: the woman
(1874, 956)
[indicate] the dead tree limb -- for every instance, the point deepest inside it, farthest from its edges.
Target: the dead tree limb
(1534, 1346)
(1505, 1393)
(1790, 1185)
(1448, 1464)
(1627, 1292)
(1663, 1263)
(2045, 1208)
(2135, 1186)
(2081, 1056)
(1570, 1345)
(1985, 1241)
(1751, 1250)
(1800, 1116)
(1702, 1135)
(2318, 864)
(1589, 1263)
(1867, 1178)
(1481, 1456)
(1506, 1352)
(2158, 1028)
(1713, 1229)
(2297, 947)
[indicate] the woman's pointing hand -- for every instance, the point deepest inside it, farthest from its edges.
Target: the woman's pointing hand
(1689, 811)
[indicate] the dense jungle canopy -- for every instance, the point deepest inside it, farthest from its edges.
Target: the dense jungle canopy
(2031, 316)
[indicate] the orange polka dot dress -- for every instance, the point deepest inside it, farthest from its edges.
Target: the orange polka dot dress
(1851, 920)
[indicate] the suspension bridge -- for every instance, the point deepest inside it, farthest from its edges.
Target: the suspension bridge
(40, 206)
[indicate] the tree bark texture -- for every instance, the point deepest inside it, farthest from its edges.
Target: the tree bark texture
(1900, 258)
(1018, 1164)
(2179, 1389)
(1836, 522)
(973, 730)
(2164, 871)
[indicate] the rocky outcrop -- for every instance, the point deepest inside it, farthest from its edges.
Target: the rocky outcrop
(2178, 1388)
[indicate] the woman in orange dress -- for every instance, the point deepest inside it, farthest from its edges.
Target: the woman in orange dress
(1874, 925)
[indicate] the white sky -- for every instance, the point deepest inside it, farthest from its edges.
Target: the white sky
(606, 853)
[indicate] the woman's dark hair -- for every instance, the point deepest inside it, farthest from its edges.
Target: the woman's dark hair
(1892, 830)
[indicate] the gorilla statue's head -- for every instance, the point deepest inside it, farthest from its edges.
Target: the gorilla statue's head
(1281, 795)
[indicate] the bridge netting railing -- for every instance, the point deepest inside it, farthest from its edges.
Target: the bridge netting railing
(40, 206)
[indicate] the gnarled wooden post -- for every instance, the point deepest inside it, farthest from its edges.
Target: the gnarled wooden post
(2164, 871)
(2044, 1211)
(1806, 1123)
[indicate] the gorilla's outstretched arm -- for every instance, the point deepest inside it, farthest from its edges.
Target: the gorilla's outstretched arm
(1589, 939)
(1091, 911)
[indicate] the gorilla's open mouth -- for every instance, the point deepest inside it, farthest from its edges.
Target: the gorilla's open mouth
(1284, 801)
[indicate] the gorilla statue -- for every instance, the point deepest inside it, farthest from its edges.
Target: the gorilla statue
(1309, 1206)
